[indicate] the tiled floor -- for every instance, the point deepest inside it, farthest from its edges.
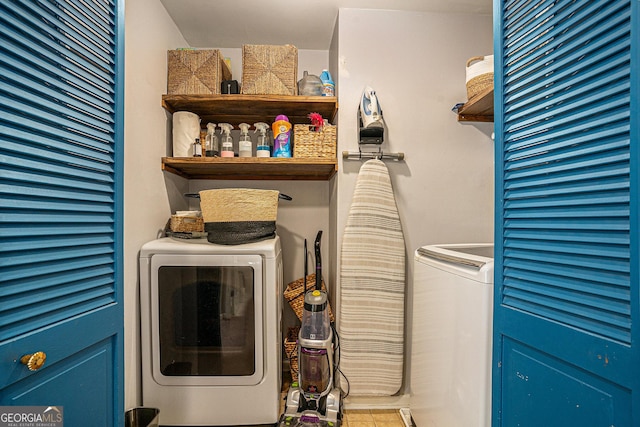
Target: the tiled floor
(372, 418)
(359, 417)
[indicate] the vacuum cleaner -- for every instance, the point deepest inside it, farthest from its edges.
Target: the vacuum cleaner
(314, 400)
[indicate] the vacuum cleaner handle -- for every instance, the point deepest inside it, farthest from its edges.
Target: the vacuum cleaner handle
(306, 269)
(318, 262)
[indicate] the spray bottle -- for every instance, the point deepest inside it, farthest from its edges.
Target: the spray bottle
(262, 143)
(211, 143)
(245, 146)
(281, 137)
(227, 141)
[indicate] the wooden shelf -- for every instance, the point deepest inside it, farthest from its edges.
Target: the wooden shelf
(235, 109)
(245, 168)
(478, 109)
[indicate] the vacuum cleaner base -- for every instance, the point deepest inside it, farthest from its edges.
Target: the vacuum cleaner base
(305, 421)
(293, 416)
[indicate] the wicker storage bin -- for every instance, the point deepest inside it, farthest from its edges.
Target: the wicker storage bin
(291, 350)
(235, 216)
(269, 70)
(479, 75)
(307, 143)
(196, 72)
(186, 224)
(294, 294)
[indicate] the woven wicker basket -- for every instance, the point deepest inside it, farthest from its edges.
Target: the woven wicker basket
(291, 350)
(269, 70)
(234, 216)
(294, 294)
(307, 143)
(479, 75)
(196, 72)
(239, 204)
(186, 224)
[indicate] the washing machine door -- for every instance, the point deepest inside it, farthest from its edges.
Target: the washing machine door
(206, 319)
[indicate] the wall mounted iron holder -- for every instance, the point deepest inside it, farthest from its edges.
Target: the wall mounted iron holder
(380, 155)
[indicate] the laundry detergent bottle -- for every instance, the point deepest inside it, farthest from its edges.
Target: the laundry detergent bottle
(281, 137)
(328, 86)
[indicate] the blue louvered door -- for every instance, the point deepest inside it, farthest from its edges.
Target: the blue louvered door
(61, 207)
(567, 303)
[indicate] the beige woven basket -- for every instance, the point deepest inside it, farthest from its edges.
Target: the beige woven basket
(294, 294)
(186, 224)
(479, 75)
(307, 143)
(269, 70)
(196, 72)
(239, 204)
(291, 350)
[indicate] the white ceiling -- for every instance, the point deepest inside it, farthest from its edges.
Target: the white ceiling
(307, 24)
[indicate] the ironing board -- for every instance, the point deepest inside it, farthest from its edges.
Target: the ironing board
(372, 287)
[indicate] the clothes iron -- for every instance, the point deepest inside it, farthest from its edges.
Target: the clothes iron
(370, 111)
(371, 124)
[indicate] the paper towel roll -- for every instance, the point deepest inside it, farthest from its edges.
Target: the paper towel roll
(186, 128)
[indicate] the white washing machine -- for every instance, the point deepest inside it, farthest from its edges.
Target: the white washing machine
(211, 331)
(452, 335)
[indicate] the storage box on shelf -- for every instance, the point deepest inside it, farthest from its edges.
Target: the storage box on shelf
(199, 71)
(269, 70)
(309, 143)
(235, 109)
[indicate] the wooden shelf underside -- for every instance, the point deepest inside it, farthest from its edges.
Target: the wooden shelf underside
(235, 109)
(478, 109)
(248, 168)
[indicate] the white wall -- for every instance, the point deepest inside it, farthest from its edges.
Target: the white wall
(416, 64)
(149, 33)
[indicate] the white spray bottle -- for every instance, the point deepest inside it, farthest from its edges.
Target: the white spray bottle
(212, 145)
(262, 143)
(227, 141)
(245, 146)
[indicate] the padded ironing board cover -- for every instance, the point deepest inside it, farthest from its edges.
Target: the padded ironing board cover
(372, 287)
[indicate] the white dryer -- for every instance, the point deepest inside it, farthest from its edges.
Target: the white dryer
(452, 335)
(211, 331)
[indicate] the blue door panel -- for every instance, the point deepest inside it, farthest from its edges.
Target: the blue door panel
(60, 342)
(61, 206)
(604, 358)
(553, 393)
(82, 384)
(567, 295)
